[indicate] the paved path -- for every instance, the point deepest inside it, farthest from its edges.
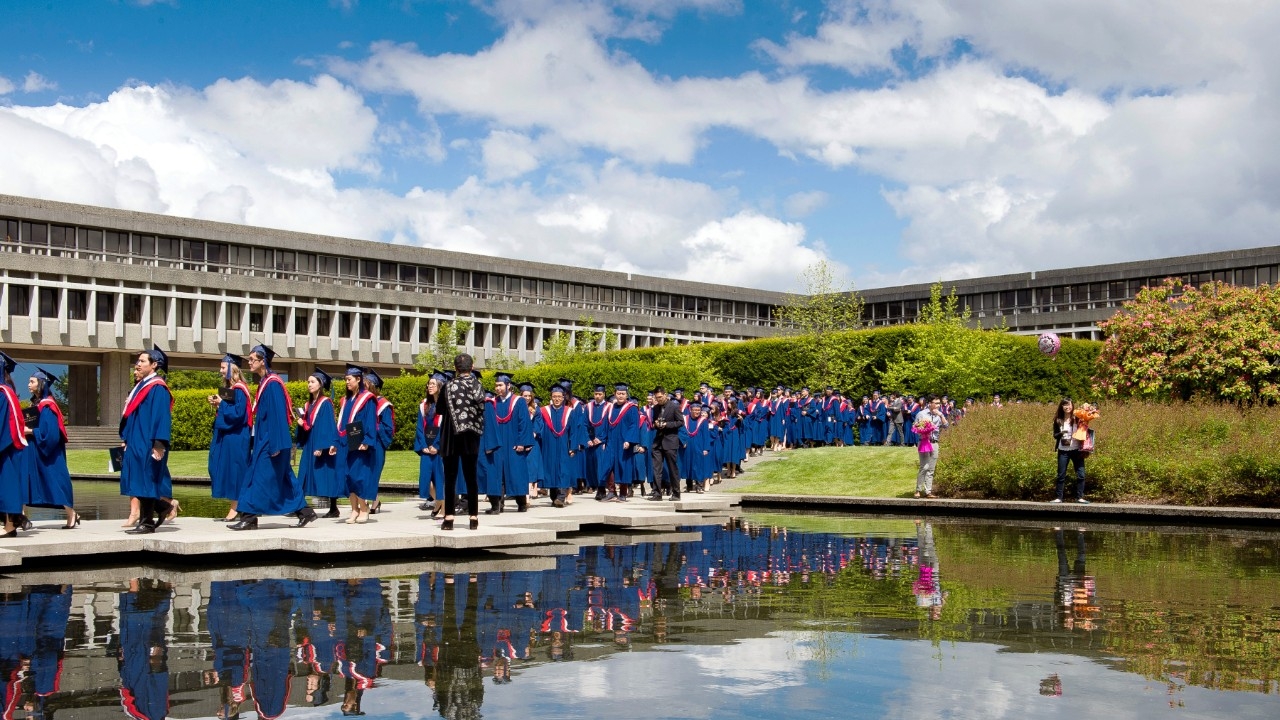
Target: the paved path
(399, 527)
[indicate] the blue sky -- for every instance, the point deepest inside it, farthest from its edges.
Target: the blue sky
(902, 140)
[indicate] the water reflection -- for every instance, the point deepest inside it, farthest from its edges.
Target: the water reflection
(753, 619)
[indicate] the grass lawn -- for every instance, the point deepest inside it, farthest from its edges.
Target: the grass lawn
(851, 471)
(401, 467)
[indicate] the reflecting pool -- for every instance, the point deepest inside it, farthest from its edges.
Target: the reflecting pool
(767, 616)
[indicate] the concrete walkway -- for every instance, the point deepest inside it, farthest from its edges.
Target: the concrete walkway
(399, 527)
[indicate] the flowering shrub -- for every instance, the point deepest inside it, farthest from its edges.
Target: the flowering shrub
(1217, 341)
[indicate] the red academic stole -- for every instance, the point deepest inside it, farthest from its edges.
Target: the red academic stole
(615, 419)
(435, 419)
(262, 385)
(697, 426)
(564, 419)
(16, 423)
(308, 420)
(248, 400)
(356, 406)
(142, 393)
(57, 411)
(381, 405)
(511, 409)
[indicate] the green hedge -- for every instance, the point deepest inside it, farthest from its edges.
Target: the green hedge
(1021, 372)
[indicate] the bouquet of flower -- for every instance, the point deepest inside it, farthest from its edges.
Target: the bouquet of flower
(924, 430)
(1085, 414)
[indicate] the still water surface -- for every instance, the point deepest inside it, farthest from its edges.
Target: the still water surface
(768, 616)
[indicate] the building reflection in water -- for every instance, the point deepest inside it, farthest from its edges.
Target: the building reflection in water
(227, 648)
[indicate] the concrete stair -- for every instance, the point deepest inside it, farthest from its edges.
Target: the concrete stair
(92, 437)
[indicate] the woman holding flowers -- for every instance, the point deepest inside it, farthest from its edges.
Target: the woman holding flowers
(1070, 432)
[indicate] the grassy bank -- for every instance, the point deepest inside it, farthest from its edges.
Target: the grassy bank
(853, 471)
(1186, 454)
(402, 465)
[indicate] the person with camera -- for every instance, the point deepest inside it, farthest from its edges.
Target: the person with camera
(667, 421)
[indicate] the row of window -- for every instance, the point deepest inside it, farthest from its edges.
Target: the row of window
(259, 318)
(1060, 298)
(271, 263)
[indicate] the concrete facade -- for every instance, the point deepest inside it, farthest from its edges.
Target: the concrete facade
(90, 286)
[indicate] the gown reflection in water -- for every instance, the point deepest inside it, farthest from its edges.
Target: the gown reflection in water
(32, 631)
(144, 649)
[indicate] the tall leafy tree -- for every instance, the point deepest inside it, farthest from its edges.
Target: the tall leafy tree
(826, 308)
(948, 357)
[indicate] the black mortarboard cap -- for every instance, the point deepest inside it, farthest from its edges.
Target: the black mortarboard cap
(159, 357)
(9, 363)
(598, 388)
(373, 377)
(231, 359)
(621, 387)
(326, 381)
(502, 378)
(355, 371)
(47, 378)
(559, 389)
(526, 387)
(267, 353)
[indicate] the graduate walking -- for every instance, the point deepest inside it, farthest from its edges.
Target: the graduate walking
(317, 436)
(13, 440)
(145, 432)
(229, 447)
(48, 480)
(271, 488)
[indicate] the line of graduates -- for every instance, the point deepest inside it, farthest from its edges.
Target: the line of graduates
(602, 446)
(33, 451)
(342, 450)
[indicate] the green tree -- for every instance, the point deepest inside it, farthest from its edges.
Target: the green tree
(948, 357)
(564, 346)
(440, 352)
(502, 359)
(193, 379)
(822, 311)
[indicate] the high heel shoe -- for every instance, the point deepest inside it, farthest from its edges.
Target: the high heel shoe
(362, 518)
(475, 523)
(374, 507)
(73, 524)
(446, 525)
(174, 508)
(14, 533)
(131, 522)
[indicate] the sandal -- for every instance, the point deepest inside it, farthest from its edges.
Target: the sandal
(917, 494)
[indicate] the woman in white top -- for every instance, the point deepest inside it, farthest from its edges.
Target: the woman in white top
(1064, 424)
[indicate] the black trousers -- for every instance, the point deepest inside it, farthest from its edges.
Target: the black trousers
(663, 457)
(468, 463)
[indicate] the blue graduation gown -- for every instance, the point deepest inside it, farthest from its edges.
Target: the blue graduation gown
(271, 669)
(645, 435)
(49, 481)
(430, 466)
(49, 611)
(357, 465)
(777, 418)
(593, 413)
(578, 463)
(321, 476)
(228, 607)
(385, 422)
(13, 441)
(696, 461)
(534, 464)
(229, 447)
(144, 682)
(506, 425)
(272, 488)
(622, 425)
(148, 418)
(558, 431)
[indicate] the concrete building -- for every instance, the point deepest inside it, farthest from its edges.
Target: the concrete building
(1071, 301)
(89, 287)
